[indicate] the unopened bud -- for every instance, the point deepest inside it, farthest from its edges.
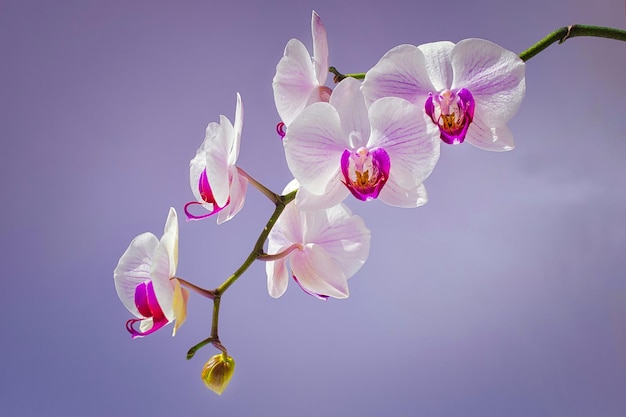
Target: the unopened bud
(217, 372)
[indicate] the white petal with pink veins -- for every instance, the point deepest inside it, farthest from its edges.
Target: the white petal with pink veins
(494, 76)
(401, 72)
(133, 269)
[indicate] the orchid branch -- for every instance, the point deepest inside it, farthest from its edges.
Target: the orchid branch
(562, 34)
(273, 257)
(339, 76)
(257, 252)
(222, 142)
(263, 189)
(209, 340)
(196, 289)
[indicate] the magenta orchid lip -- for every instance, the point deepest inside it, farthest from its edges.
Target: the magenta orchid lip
(207, 196)
(365, 171)
(452, 112)
(148, 306)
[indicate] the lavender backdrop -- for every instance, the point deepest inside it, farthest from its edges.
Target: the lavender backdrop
(504, 296)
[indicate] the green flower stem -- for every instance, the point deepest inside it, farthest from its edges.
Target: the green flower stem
(572, 31)
(257, 251)
(216, 318)
(195, 288)
(274, 257)
(209, 340)
(263, 189)
(191, 352)
(339, 76)
(281, 202)
(560, 35)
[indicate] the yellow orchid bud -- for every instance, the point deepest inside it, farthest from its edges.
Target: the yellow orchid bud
(217, 372)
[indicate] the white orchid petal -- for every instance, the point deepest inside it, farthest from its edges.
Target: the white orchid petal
(292, 185)
(134, 268)
(348, 99)
(179, 305)
(494, 76)
(334, 194)
(196, 167)
(277, 277)
(217, 162)
(320, 48)
(160, 275)
(412, 144)
(313, 146)
(238, 187)
(198, 164)
(287, 230)
(317, 272)
(437, 61)
(163, 289)
(238, 127)
(401, 72)
(293, 82)
(342, 235)
(497, 139)
(170, 239)
(397, 195)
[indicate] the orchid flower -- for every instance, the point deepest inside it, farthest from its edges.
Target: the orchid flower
(215, 180)
(323, 247)
(385, 151)
(299, 79)
(144, 280)
(469, 90)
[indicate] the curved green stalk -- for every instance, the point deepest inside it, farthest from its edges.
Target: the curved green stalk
(562, 34)
(339, 76)
(263, 189)
(258, 246)
(195, 288)
(281, 202)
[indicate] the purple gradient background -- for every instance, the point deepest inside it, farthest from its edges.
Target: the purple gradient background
(504, 296)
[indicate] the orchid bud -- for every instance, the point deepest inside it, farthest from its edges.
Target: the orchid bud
(217, 372)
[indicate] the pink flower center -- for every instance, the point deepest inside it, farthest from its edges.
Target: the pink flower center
(452, 113)
(365, 171)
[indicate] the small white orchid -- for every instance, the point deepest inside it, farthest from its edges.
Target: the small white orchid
(299, 79)
(385, 151)
(215, 180)
(469, 90)
(323, 247)
(144, 280)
